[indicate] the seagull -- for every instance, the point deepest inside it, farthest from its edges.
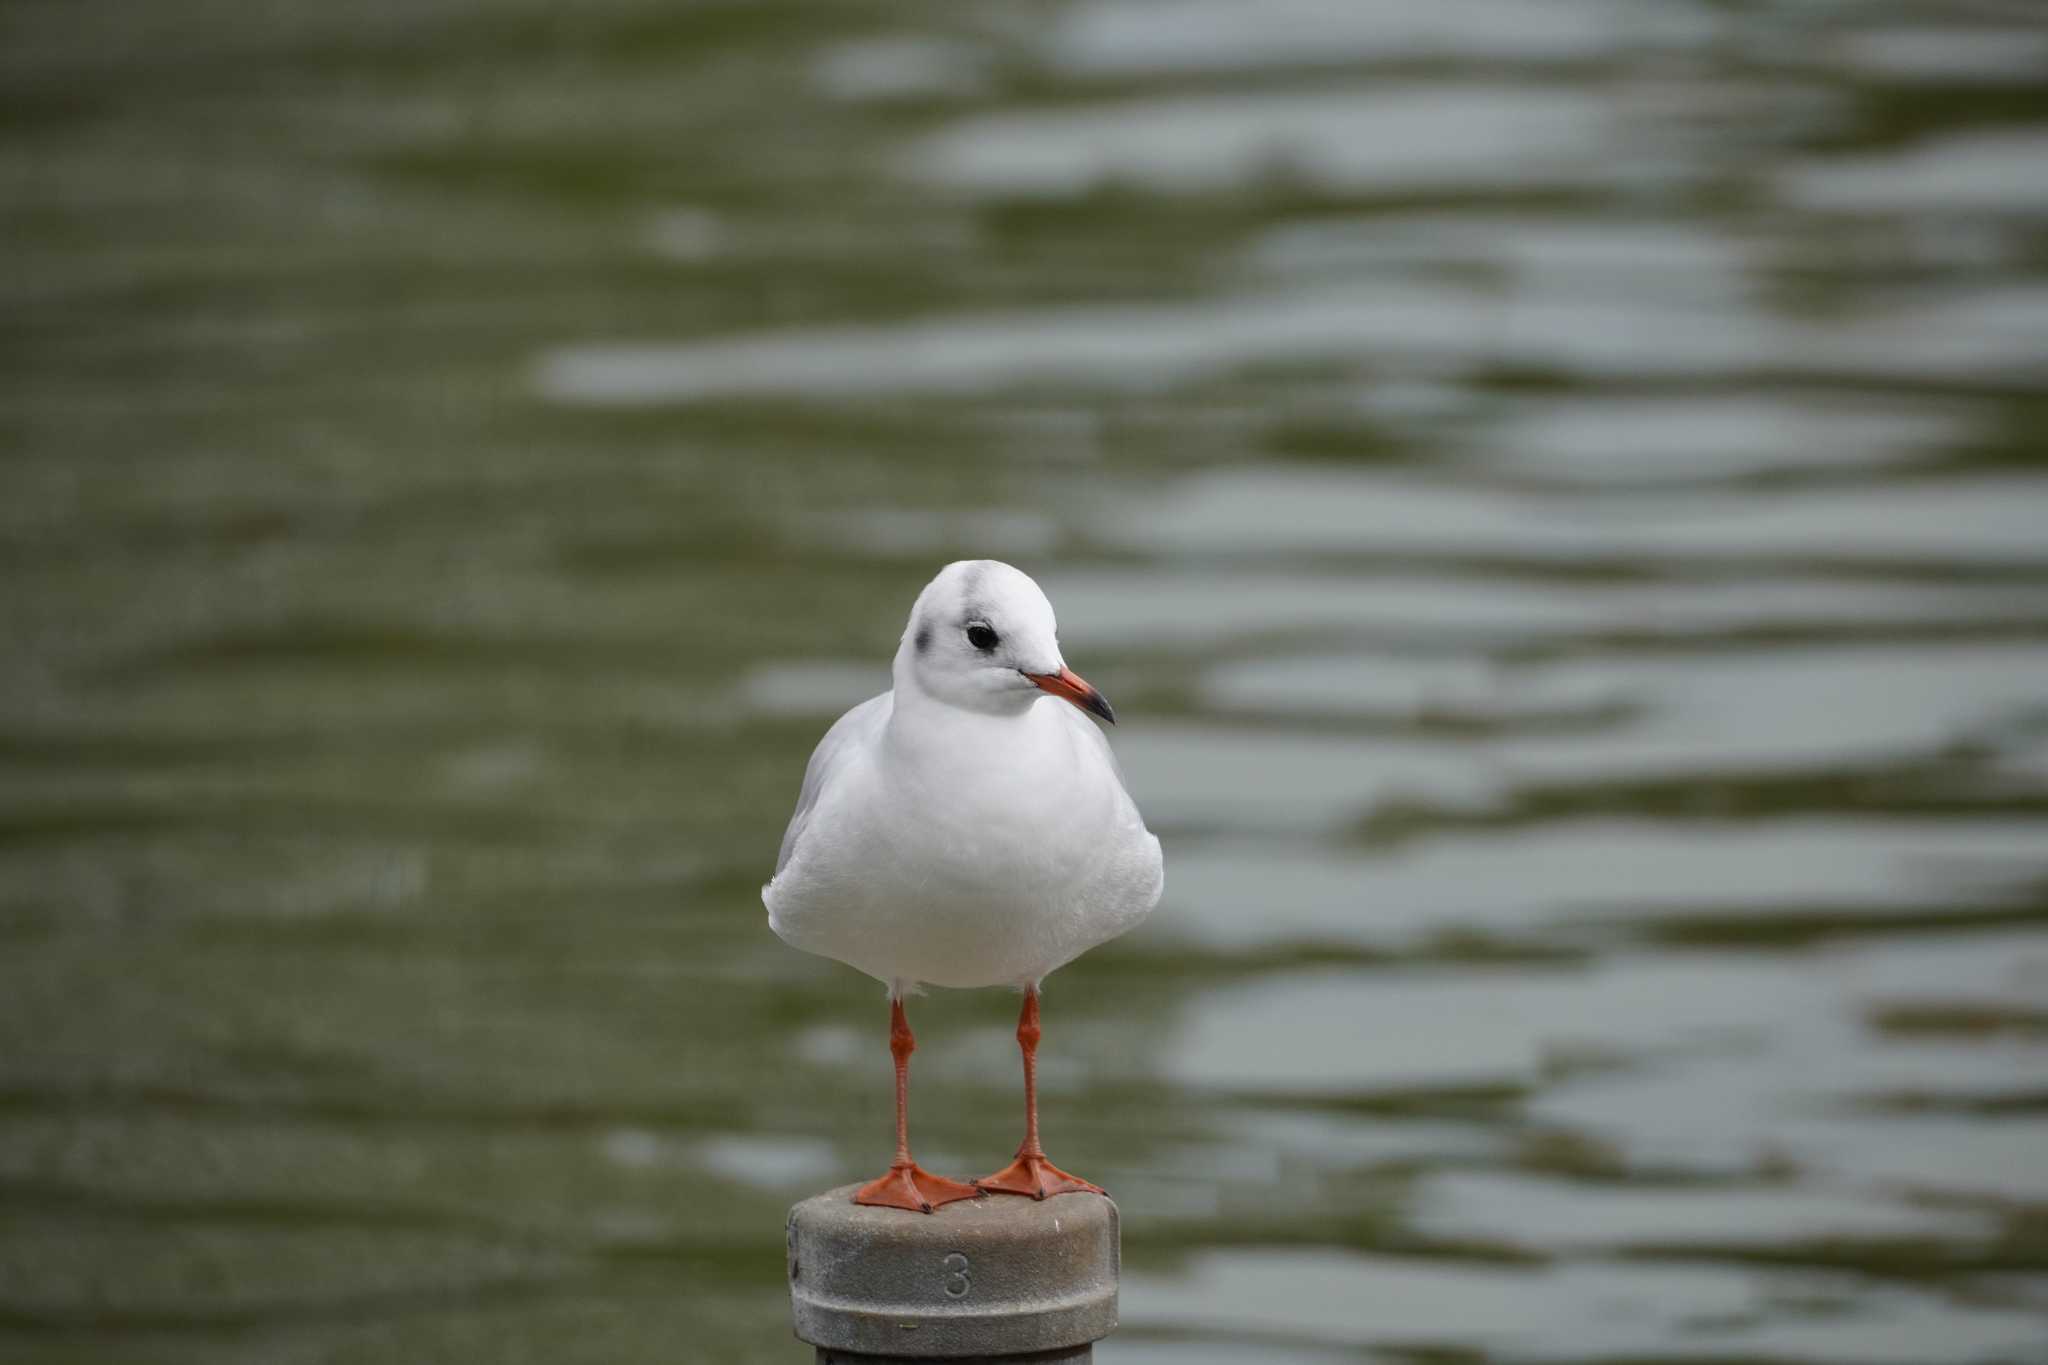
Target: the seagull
(967, 828)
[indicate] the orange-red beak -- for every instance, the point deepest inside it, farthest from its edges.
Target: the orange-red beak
(1071, 686)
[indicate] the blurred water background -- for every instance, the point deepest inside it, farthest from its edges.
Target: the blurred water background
(1554, 490)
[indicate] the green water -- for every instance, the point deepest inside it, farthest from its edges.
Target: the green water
(1554, 492)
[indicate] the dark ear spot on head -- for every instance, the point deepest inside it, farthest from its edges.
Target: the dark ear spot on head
(923, 638)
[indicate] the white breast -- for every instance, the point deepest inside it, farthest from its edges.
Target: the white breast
(972, 851)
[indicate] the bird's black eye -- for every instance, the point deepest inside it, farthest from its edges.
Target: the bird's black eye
(981, 637)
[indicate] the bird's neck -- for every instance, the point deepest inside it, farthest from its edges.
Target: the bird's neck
(923, 724)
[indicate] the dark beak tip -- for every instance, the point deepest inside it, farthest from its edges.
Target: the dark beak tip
(1071, 687)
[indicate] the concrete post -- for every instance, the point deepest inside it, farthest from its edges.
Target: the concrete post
(994, 1279)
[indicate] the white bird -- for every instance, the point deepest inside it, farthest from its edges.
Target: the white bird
(959, 830)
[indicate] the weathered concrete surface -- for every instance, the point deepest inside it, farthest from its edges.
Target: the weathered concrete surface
(991, 1277)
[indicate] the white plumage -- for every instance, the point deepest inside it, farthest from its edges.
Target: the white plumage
(968, 827)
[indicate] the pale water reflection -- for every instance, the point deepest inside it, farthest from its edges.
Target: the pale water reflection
(1436, 136)
(1954, 520)
(1573, 1311)
(1568, 878)
(1148, 37)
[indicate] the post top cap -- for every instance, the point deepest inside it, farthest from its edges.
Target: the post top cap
(998, 1275)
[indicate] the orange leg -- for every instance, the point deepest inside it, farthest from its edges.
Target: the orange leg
(1031, 1173)
(908, 1185)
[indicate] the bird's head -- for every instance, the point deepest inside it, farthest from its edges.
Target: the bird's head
(982, 637)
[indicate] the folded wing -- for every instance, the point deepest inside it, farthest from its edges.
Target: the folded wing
(847, 736)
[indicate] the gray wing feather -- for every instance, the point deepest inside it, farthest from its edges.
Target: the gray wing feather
(846, 736)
